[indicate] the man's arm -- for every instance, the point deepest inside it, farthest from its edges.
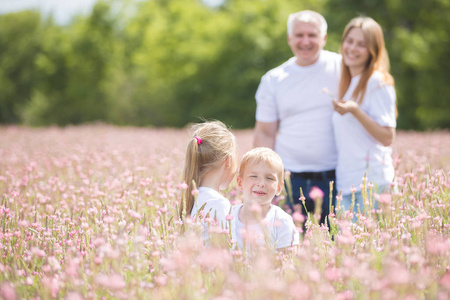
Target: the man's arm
(265, 134)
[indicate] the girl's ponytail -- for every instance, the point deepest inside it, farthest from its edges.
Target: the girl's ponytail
(191, 175)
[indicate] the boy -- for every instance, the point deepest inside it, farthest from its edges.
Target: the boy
(257, 221)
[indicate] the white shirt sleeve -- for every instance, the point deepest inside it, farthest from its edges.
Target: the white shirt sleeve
(382, 105)
(287, 235)
(266, 106)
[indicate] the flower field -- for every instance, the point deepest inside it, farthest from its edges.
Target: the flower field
(90, 212)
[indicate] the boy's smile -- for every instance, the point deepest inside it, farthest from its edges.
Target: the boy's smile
(259, 193)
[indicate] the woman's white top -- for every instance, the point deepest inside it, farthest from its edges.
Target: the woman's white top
(358, 151)
(279, 226)
(216, 205)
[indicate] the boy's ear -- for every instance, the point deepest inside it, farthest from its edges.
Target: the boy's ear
(279, 188)
(239, 182)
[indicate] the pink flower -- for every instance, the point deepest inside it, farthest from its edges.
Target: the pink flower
(214, 259)
(316, 193)
(108, 219)
(52, 284)
(256, 208)
(183, 186)
(299, 291)
(7, 291)
(345, 295)
(114, 282)
(209, 221)
(277, 223)
(160, 280)
(229, 217)
(314, 276)
(298, 217)
(332, 274)
(397, 274)
(73, 296)
(385, 198)
(38, 252)
(328, 92)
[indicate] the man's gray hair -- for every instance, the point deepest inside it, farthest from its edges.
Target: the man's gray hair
(307, 16)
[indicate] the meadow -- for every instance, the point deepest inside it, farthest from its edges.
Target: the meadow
(90, 212)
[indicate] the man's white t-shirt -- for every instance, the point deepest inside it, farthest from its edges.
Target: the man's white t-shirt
(279, 224)
(293, 96)
(216, 205)
(358, 151)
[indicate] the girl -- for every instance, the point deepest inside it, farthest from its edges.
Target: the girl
(211, 163)
(365, 116)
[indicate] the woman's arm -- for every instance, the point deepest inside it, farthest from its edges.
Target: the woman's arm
(384, 135)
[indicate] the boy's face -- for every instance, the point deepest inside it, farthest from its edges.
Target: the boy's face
(259, 183)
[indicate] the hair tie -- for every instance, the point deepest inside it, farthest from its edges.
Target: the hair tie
(199, 140)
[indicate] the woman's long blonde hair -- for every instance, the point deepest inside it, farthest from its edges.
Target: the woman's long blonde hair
(378, 57)
(211, 145)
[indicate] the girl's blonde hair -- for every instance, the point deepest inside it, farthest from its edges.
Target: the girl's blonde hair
(211, 145)
(378, 57)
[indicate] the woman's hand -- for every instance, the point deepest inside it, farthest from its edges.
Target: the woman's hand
(384, 135)
(343, 107)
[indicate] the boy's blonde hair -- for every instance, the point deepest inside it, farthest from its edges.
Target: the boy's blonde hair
(211, 145)
(263, 155)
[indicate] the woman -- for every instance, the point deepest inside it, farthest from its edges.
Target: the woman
(365, 116)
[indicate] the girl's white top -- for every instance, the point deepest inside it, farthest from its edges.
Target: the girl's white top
(358, 151)
(217, 206)
(279, 224)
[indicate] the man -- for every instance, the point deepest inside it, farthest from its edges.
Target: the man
(293, 114)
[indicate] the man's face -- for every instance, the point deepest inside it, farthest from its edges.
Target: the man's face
(306, 42)
(259, 183)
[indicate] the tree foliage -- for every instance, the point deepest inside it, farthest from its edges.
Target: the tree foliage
(20, 43)
(171, 62)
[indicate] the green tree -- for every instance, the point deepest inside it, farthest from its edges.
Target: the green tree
(73, 65)
(202, 62)
(20, 42)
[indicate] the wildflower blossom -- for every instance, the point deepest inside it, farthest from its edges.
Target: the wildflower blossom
(298, 217)
(316, 193)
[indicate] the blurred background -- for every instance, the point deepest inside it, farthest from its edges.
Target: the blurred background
(165, 63)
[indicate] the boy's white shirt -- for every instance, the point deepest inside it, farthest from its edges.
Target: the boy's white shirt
(217, 206)
(281, 236)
